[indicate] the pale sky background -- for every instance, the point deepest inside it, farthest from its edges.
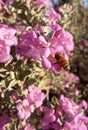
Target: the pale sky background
(85, 2)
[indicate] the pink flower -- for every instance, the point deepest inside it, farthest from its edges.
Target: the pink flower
(84, 104)
(33, 46)
(59, 113)
(53, 16)
(71, 77)
(70, 81)
(33, 100)
(44, 3)
(73, 126)
(1, 4)
(35, 96)
(24, 109)
(8, 35)
(49, 115)
(28, 2)
(46, 63)
(65, 39)
(9, 2)
(59, 43)
(14, 96)
(73, 114)
(52, 126)
(4, 119)
(29, 127)
(44, 48)
(4, 52)
(68, 105)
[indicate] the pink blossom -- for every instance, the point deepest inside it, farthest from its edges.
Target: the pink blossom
(59, 113)
(44, 3)
(9, 2)
(35, 96)
(73, 116)
(24, 109)
(69, 106)
(29, 127)
(84, 104)
(52, 126)
(70, 81)
(8, 35)
(53, 16)
(72, 126)
(59, 43)
(65, 39)
(84, 42)
(33, 46)
(46, 63)
(14, 96)
(4, 52)
(4, 119)
(1, 4)
(49, 115)
(72, 77)
(28, 2)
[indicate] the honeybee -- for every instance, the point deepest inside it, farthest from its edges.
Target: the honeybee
(62, 62)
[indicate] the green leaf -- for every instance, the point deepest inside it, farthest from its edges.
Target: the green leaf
(43, 83)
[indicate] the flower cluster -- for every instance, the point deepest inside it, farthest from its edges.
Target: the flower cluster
(71, 80)
(31, 38)
(34, 100)
(39, 47)
(71, 115)
(68, 114)
(49, 119)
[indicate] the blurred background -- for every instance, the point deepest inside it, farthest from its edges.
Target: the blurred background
(76, 21)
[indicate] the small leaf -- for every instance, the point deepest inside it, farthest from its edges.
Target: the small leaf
(12, 83)
(43, 83)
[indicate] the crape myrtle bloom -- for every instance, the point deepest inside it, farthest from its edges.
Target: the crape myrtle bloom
(4, 120)
(29, 127)
(4, 52)
(35, 96)
(7, 34)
